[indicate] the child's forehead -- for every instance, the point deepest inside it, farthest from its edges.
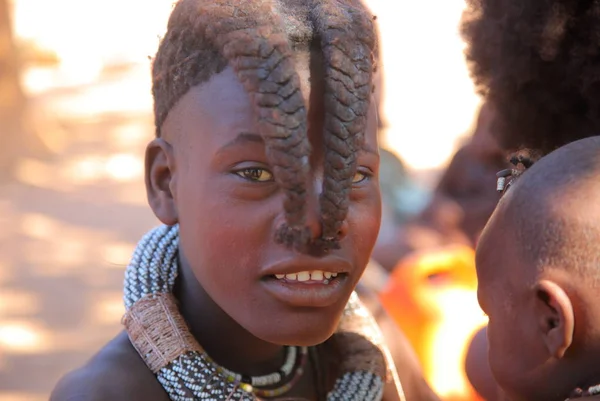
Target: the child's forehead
(223, 93)
(211, 108)
(221, 107)
(496, 248)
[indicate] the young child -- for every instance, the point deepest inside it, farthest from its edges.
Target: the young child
(264, 174)
(538, 270)
(537, 63)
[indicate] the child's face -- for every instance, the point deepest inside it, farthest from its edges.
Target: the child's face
(229, 208)
(516, 352)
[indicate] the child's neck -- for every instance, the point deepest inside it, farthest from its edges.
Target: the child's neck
(224, 340)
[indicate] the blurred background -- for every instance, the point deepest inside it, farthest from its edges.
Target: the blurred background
(76, 113)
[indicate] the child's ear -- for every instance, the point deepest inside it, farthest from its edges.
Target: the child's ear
(160, 180)
(555, 317)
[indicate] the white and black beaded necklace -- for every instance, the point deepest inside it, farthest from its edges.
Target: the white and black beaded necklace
(187, 373)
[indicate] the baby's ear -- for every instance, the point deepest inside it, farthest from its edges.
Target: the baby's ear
(555, 317)
(160, 180)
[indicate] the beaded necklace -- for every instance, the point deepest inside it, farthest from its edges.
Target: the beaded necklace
(270, 379)
(160, 335)
(580, 393)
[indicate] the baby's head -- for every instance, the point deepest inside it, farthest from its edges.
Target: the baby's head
(538, 266)
(266, 156)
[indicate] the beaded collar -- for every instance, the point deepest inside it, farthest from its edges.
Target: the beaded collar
(580, 393)
(160, 335)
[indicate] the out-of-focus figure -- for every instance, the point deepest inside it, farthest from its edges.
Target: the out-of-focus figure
(431, 290)
(431, 295)
(460, 204)
(464, 199)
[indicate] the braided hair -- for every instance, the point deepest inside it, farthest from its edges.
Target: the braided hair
(537, 61)
(257, 39)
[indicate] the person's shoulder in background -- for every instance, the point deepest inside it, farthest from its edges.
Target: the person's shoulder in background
(116, 373)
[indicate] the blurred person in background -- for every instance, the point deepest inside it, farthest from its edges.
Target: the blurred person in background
(541, 75)
(402, 199)
(459, 207)
(433, 282)
(463, 200)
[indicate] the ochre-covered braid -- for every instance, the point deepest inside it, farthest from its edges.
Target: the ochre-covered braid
(160, 335)
(251, 37)
(349, 43)
(258, 39)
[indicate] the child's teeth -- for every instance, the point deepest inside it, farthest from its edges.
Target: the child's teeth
(316, 275)
(303, 276)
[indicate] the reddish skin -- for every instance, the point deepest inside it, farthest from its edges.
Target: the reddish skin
(478, 369)
(227, 227)
(541, 335)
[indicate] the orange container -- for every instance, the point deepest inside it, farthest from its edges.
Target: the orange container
(432, 296)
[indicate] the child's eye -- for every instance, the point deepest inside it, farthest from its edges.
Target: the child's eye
(360, 176)
(255, 174)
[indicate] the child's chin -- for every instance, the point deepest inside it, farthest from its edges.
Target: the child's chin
(299, 334)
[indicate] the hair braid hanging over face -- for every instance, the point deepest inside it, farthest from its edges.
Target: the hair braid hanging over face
(349, 42)
(253, 40)
(206, 36)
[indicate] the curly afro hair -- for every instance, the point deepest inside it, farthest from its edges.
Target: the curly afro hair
(257, 39)
(538, 62)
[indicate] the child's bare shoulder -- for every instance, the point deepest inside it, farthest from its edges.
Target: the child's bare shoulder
(116, 373)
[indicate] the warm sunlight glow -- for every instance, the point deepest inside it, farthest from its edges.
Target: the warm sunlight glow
(461, 319)
(429, 97)
(118, 254)
(5, 271)
(22, 337)
(39, 226)
(34, 173)
(87, 35)
(132, 135)
(85, 169)
(69, 253)
(17, 302)
(6, 396)
(108, 309)
(124, 167)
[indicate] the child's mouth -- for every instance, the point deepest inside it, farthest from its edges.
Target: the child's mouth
(315, 289)
(307, 277)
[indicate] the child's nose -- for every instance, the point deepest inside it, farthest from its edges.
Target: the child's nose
(314, 219)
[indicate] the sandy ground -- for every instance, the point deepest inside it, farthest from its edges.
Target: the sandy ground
(68, 226)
